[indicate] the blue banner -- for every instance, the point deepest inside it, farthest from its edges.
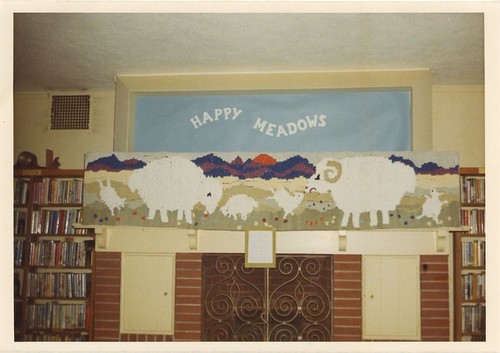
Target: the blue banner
(276, 122)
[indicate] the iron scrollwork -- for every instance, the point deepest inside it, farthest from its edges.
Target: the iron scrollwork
(289, 303)
(234, 300)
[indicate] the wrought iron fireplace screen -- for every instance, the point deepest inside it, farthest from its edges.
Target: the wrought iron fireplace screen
(292, 302)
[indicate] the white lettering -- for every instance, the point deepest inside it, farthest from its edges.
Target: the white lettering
(218, 113)
(260, 125)
(270, 128)
(207, 117)
(196, 121)
(292, 128)
(237, 112)
(322, 120)
(312, 122)
(227, 111)
(281, 131)
(302, 124)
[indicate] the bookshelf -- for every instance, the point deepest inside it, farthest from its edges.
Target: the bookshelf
(53, 260)
(469, 248)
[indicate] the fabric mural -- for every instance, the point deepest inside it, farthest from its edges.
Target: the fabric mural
(288, 191)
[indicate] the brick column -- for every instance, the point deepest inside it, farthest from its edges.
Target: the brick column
(107, 296)
(434, 292)
(188, 297)
(347, 298)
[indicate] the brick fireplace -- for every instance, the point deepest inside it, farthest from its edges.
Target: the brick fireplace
(347, 298)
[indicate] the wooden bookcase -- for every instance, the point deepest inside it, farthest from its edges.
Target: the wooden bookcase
(469, 248)
(53, 260)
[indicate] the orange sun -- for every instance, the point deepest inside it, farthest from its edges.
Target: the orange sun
(264, 159)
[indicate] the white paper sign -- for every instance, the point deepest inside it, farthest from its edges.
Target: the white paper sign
(260, 248)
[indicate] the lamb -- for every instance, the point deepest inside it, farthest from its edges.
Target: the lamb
(286, 201)
(175, 184)
(363, 184)
(239, 205)
(110, 198)
(432, 206)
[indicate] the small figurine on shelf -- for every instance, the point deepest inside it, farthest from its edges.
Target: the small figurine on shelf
(50, 161)
(55, 164)
(26, 160)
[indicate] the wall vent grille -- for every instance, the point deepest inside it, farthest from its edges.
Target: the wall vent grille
(70, 112)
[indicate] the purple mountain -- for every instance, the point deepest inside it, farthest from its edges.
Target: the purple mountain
(113, 164)
(431, 168)
(259, 167)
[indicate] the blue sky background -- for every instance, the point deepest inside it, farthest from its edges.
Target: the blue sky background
(355, 121)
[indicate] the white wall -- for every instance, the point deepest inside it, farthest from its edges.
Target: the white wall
(458, 125)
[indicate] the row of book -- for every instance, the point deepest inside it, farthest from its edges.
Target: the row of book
(473, 189)
(20, 217)
(473, 286)
(56, 316)
(55, 221)
(17, 284)
(58, 285)
(18, 314)
(473, 319)
(21, 188)
(55, 253)
(58, 191)
(473, 253)
(18, 252)
(473, 218)
(45, 337)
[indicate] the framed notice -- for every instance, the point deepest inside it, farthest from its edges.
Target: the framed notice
(260, 247)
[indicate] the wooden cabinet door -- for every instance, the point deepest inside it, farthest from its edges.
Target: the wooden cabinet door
(391, 297)
(147, 297)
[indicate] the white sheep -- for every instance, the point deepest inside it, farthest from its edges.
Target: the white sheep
(432, 206)
(363, 184)
(175, 184)
(239, 205)
(109, 196)
(287, 201)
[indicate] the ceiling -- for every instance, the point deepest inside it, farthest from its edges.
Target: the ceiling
(75, 51)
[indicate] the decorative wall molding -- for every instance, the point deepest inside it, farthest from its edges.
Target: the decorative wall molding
(379, 242)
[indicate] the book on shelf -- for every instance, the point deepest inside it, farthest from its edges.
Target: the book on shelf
(473, 319)
(18, 317)
(56, 316)
(473, 253)
(17, 284)
(21, 189)
(56, 253)
(20, 217)
(59, 285)
(55, 221)
(473, 286)
(470, 259)
(58, 191)
(59, 337)
(53, 257)
(474, 219)
(473, 189)
(18, 252)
